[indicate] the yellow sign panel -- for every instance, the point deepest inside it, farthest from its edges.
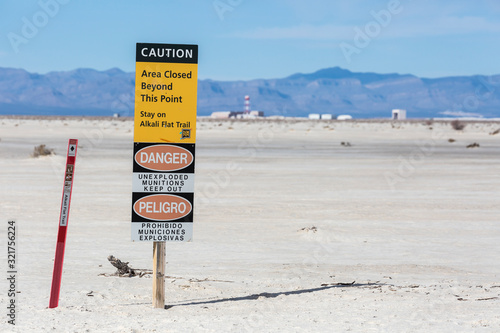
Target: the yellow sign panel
(165, 95)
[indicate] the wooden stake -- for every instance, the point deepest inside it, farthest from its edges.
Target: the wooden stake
(159, 275)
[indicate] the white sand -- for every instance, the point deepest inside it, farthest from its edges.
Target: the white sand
(412, 219)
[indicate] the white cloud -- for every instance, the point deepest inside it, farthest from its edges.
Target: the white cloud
(461, 114)
(439, 26)
(323, 32)
(450, 25)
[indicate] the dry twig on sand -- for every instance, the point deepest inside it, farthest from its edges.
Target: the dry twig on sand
(122, 267)
(124, 270)
(307, 229)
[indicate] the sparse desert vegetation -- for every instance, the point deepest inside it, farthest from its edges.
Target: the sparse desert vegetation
(457, 125)
(42, 150)
(473, 145)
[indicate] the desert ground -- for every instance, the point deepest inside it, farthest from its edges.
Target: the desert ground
(300, 226)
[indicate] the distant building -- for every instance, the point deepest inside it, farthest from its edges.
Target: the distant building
(257, 113)
(327, 116)
(344, 117)
(248, 113)
(221, 114)
(398, 114)
(314, 116)
(236, 114)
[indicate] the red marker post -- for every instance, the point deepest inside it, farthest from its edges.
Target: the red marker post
(63, 223)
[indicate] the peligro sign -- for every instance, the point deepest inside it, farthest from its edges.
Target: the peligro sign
(164, 158)
(162, 207)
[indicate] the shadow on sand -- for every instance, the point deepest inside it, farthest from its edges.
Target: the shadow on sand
(273, 295)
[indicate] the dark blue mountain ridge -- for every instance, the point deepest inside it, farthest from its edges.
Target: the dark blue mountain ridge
(340, 73)
(335, 90)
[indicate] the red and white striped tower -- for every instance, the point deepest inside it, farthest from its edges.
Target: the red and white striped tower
(247, 104)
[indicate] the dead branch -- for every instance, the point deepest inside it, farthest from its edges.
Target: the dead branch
(123, 268)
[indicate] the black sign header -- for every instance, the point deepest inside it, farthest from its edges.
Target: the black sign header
(171, 53)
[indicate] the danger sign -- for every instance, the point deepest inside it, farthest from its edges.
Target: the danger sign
(164, 157)
(164, 142)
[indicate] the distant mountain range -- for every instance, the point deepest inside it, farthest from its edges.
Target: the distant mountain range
(332, 90)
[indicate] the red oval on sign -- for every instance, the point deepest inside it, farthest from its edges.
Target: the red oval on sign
(162, 207)
(164, 158)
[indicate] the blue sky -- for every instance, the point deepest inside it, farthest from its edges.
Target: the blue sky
(249, 39)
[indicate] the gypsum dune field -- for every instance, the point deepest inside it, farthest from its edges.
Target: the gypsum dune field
(300, 226)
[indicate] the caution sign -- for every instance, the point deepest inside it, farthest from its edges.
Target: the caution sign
(164, 142)
(166, 79)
